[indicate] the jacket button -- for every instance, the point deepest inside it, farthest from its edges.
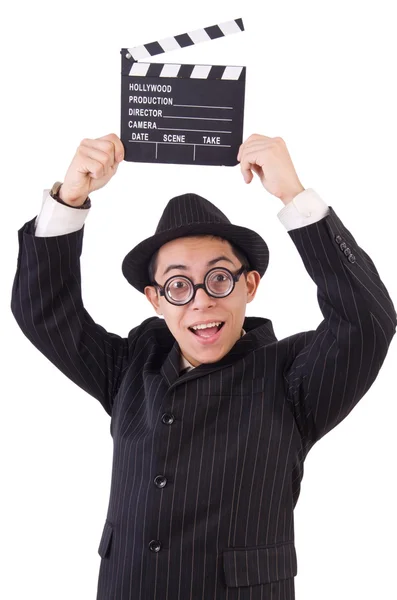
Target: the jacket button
(160, 481)
(352, 258)
(343, 245)
(347, 251)
(338, 239)
(167, 419)
(155, 546)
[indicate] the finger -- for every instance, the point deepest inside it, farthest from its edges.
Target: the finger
(252, 145)
(258, 136)
(253, 161)
(248, 176)
(246, 171)
(258, 170)
(105, 146)
(118, 144)
(103, 156)
(254, 156)
(94, 167)
(240, 151)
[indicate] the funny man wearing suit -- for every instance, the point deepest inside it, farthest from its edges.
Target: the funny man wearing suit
(211, 426)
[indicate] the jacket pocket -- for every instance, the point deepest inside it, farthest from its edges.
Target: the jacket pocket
(259, 564)
(104, 544)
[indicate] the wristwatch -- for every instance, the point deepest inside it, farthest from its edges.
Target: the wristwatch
(54, 193)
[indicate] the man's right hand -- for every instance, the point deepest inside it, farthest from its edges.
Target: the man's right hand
(93, 165)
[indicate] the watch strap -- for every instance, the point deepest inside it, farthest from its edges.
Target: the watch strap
(54, 193)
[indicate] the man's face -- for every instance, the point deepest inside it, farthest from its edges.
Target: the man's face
(189, 256)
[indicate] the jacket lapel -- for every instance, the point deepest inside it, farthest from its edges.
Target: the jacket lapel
(259, 332)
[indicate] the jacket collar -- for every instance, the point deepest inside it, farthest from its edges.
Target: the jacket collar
(259, 332)
(184, 363)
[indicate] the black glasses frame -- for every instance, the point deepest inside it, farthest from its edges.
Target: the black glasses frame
(197, 286)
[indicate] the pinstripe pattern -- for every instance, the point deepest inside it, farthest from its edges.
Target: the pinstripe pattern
(227, 439)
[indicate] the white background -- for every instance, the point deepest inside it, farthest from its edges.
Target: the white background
(319, 74)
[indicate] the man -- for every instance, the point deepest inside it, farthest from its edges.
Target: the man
(212, 417)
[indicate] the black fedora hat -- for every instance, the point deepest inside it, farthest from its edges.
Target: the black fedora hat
(191, 214)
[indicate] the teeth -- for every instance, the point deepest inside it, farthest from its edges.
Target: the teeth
(203, 326)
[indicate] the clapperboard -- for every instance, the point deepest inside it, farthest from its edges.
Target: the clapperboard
(180, 113)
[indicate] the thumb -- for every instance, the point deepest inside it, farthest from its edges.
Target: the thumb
(248, 176)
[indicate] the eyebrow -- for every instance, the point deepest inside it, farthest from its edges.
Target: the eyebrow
(210, 263)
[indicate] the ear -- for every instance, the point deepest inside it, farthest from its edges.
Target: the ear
(253, 281)
(152, 295)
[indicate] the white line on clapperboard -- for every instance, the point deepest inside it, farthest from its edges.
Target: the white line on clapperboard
(200, 106)
(182, 144)
(197, 36)
(200, 130)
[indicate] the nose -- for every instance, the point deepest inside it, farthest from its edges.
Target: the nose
(202, 299)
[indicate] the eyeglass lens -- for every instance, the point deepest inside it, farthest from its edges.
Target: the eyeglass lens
(218, 283)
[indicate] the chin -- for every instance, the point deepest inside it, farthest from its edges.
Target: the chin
(210, 355)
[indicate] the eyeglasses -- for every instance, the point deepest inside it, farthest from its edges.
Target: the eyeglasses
(218, 283)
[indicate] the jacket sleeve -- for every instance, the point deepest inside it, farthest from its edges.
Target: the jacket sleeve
(328, 370)
(47, 305)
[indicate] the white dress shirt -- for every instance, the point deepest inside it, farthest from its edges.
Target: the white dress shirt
(57, 219)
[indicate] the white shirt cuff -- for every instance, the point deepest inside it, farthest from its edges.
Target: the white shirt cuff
(307, 207)
(57, 219)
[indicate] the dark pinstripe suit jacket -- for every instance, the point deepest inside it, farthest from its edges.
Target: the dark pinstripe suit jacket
(207, 466)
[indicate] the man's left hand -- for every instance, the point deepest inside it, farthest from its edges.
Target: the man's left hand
(270, 160)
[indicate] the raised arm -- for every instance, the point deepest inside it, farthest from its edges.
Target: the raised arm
(46, 293)
(329, 369)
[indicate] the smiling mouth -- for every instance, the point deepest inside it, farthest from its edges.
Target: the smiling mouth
(195, 332)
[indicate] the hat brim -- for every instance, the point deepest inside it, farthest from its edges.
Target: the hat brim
(135, 263)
